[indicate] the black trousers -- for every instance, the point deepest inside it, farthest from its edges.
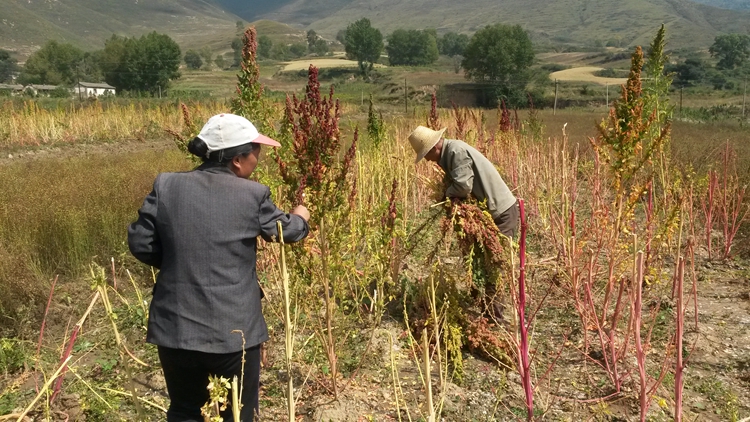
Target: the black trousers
(186, 373)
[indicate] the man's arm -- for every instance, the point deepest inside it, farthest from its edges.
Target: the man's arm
(460, 175)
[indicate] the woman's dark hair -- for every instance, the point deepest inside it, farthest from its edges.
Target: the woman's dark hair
(199, 148)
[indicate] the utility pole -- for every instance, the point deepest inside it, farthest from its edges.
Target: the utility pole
(554, 109)
(744, 96)
(406, 99)
(78, 80)
(607, 94)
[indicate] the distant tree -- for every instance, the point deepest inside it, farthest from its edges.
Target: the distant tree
(219, 61)
(53, 64)
(501, 55)
(158, 60)
(453, 44)
(691, 72)
(60, 92)
(411, 48)
(89, 68)
(193, 60)
(280, 51)
(312, 37)
(8, 66)
(264, 46)
(114, 60)
(732, 50)
(237, 50)
(321, 47)
(145, 64)
(341, 36)
(207, 56)
(240, 27)
(363, 43)
(297, 50)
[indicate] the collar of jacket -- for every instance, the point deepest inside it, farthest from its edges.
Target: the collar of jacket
(443, 157)
(214, 167)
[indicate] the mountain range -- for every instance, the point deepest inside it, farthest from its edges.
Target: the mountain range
(26, 24)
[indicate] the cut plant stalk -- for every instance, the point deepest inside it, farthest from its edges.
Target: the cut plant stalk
(288, 338)
(100, 280)
(41, 331)
(69, 349)
(637, 323)
(428, 376)
(63, 366)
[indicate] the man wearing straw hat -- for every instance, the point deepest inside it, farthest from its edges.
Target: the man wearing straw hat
(469, 172)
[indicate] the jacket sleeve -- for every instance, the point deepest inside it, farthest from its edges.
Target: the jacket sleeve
(143, 238)
(460, 175)
(294, 227)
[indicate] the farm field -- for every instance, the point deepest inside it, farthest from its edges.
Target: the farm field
(585, 74)
(623, 275)
(321, 64)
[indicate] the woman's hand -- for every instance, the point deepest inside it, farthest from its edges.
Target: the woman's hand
(301, 211)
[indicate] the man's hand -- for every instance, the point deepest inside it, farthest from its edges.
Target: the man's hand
(301, 211)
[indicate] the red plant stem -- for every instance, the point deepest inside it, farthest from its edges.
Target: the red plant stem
(737, 220)
(708, 208)
(41, 331)
(524, 343)
(694, 277)
(44, 319)
(599, 328)
(679, 367)
(69, 348)
(637, 321)
(691, 249)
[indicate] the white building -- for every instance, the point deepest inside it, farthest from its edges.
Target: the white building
(89, 89)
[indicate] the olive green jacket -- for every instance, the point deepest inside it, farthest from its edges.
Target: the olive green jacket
(470, 172)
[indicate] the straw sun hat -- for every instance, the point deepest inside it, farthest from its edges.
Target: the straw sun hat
(423, 139)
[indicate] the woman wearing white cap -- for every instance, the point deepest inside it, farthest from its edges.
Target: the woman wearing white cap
(200, 229)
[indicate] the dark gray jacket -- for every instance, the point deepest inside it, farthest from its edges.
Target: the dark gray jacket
(470, 172)
(200, 228)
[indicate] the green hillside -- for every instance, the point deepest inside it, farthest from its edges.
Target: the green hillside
(87, 23)
(728, 4)
(24, 25)
(582, 22)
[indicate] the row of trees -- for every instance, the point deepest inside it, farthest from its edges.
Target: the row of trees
(405, 47)
(267, 49)
(497, 55)
(145, 64)
(732, 52)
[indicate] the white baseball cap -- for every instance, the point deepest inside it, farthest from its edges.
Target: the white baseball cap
(224, 131)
